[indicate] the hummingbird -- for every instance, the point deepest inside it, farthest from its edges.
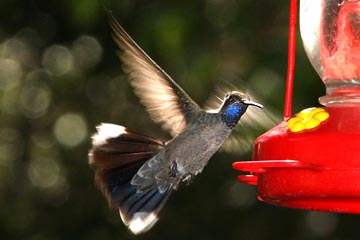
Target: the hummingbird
(137, 173)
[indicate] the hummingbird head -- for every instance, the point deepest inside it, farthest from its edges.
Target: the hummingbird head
(234, 106)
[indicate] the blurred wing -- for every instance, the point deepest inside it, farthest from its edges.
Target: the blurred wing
(166, 102)
(254, 122)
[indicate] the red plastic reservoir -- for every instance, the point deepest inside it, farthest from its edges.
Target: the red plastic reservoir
(315, 169)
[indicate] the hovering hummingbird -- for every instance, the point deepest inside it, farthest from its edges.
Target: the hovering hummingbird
(137, 173)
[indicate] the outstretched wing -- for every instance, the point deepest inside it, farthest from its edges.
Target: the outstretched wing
(166, 102)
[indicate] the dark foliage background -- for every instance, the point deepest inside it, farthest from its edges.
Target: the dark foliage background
(59, 77)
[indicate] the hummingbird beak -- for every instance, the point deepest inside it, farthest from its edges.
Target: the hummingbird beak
(248, 102)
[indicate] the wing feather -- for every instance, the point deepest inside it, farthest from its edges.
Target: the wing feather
(167, 103)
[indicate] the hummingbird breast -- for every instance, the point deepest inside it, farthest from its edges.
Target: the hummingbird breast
(184, 156)
(201, 139)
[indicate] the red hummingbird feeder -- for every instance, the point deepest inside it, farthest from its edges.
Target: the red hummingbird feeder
(312, 159)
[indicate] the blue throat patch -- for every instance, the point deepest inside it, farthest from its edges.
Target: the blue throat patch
(232, 115)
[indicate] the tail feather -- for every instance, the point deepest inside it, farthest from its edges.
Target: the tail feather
(115, 146)
(116, 157)
(111, 160)
(141, 210)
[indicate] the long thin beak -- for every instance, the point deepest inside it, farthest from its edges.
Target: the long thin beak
(248, 102)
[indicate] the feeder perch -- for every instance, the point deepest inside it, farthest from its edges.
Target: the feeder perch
(312, 159)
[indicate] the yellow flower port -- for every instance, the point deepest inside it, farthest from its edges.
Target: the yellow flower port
(307, 119)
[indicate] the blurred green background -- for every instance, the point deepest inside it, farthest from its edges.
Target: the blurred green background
(60, 77)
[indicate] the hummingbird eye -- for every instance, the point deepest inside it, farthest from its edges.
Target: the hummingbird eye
(231, 99)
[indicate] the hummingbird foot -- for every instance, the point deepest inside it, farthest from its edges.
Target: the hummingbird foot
(188, 179)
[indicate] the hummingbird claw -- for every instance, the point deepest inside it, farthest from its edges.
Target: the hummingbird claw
(188, 179)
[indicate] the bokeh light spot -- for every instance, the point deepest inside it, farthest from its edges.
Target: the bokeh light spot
(10, 102)
(35, 101)
(48, 175)
(38, 76)
(58, 60)
(44, 172)
(87, 51)
(20, 49)
(10, 74)
(70, 129)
